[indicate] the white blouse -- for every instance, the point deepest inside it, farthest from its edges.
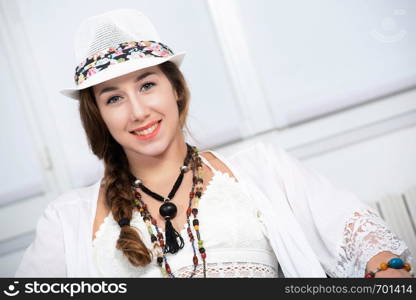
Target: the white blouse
(231, 228)
(314, 227)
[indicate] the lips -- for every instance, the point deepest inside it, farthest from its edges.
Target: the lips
(149, 135)
(145, 127)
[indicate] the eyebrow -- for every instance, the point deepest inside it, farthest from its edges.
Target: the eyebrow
(112, 88)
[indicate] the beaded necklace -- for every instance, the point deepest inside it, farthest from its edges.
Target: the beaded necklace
(158, 240)
(168, 210)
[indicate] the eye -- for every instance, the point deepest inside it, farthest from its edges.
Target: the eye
(147, 86)
(109, 101)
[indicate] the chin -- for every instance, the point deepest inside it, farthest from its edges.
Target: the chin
(150, 149)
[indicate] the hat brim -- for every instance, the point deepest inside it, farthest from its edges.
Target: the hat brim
(121, 69)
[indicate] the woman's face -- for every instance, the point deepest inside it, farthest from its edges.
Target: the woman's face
(136, 100)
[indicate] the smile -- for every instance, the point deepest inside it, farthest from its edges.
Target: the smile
(147, 133)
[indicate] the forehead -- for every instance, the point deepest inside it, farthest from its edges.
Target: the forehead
(130, 77)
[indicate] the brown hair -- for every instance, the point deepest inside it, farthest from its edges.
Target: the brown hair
(118, 193)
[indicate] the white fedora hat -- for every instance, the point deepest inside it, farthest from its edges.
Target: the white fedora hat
(114, 44)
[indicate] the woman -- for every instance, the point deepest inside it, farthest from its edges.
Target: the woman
(163, 208)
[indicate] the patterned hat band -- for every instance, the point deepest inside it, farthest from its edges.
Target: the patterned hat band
(121, 53)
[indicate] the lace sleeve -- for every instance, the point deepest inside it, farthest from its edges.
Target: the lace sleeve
(366, 235)
(336, 230)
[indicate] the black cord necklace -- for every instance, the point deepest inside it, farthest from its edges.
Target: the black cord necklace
(168, 210)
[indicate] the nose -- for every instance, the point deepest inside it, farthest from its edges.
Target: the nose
(139, 110)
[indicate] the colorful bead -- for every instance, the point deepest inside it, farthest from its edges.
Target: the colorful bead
(195, 260)
(167, 267)
(203, 255)
(195, 222)
(149, 230)
(407, 267)
(194, 211)
(153, 238)
(396, 263)
(196, 227)
(200, 243)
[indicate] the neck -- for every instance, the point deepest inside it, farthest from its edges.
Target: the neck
(159, 169)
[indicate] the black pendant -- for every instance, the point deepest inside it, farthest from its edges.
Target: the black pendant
(168, 209)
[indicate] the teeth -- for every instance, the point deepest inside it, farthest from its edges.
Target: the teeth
(147, 131)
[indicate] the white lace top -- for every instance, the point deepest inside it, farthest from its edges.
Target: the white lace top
(236, 243)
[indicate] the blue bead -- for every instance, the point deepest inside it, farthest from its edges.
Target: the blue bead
(396, 263)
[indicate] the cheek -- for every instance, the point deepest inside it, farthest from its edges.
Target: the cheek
(170, 103)
(114, 123)
(173, 108)
(164, 102)
(172, 115)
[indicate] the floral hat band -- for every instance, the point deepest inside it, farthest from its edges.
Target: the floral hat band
(121, 53)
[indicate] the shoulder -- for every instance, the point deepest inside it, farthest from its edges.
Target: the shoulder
(247, 152)
(217, 163)
(259, 159)
(263, 152)
(255, 155)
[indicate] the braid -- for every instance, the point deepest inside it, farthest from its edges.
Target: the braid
(118, 197)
